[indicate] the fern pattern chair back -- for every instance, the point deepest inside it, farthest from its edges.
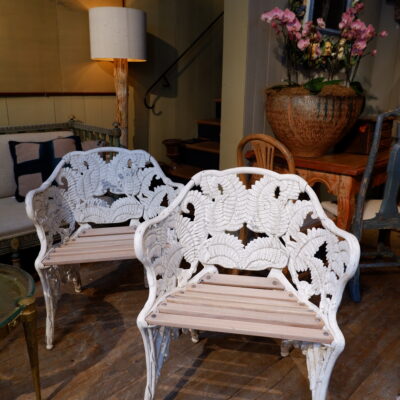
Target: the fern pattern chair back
(113, 185)
(200, 231)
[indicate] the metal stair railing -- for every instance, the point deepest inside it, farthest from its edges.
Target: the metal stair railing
(163, 76)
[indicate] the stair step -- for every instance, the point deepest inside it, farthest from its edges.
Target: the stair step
(209, 147)
(209, 129)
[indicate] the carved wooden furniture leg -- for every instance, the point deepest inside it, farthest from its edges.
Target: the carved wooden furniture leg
(28, 318)
(346, 198)
(15, 256)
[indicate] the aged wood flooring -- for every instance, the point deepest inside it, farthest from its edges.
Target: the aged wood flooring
(98, 351)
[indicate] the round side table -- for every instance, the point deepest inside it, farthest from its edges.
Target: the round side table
(17, 304)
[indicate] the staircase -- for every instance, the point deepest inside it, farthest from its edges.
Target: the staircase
(191, 156)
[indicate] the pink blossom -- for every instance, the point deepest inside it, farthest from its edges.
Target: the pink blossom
(346, 21)
(288, 16)
(358, 47)
(370, 32)
(321, 23)
(307, 28)
(294, 26)
(383, 34)
(374, 52)
(358, 25)
(302, 44)
(275, 13)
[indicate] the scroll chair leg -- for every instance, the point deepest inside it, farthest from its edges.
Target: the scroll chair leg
(320, 362)
(51, 284)
(151, 362)
(354, 287)
(286, 347)
(156, 345)
(195, 335)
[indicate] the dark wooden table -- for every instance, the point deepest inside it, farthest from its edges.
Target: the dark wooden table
(342, 174)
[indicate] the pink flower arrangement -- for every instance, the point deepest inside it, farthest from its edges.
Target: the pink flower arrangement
(308, 48)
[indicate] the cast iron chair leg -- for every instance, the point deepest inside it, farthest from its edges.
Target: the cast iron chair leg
(320, 362)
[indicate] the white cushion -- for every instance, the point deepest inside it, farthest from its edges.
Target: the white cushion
(13, 219)
(7, 181)
(370, 209)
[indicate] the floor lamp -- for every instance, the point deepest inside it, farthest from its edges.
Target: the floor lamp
(118, 34)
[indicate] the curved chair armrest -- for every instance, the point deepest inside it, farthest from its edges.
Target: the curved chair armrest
(52, 216)
(339, 254)
(157, 247)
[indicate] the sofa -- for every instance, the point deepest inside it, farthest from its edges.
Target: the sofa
(16, 229)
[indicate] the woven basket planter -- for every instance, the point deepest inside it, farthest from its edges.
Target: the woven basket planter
(309, 125)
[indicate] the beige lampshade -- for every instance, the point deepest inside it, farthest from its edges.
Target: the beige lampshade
(117, 32)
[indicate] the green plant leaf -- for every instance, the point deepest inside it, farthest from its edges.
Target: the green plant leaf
(357, 87)
(283, 86)
(315, 85)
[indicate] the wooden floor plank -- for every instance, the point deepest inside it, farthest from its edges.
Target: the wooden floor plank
(99, 353)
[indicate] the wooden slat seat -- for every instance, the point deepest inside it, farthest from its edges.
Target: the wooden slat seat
(240, 304)
(93, 245)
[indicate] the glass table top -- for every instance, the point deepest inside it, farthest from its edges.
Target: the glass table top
(15, 284)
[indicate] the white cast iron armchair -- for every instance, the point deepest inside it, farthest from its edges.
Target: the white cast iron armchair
(109, 186)
(181, 248)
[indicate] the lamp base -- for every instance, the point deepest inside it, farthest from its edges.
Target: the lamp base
(121, 92)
